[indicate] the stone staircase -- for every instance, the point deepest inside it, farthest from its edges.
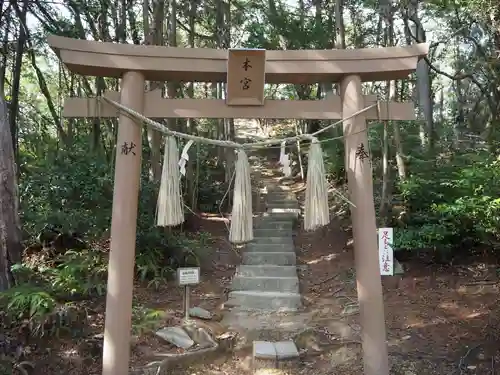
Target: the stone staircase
(267, 278)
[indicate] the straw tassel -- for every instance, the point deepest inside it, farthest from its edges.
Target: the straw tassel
(285, 161)
(169, 212)
(316, 212)
(241, 230)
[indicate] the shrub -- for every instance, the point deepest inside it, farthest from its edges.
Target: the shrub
(456, 201)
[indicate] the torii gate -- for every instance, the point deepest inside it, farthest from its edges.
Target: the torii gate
(136, 64)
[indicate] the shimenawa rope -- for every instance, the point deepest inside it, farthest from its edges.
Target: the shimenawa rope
(169, 208)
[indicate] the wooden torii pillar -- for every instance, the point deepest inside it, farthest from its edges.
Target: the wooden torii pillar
(135, 64)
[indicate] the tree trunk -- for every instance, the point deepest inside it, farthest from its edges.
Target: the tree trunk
(10, 228)
(172, 42)
(387, 11)
(423, 94)
(192, 172)
(386, 16)
(16, 78)
(400, 161)
(223, 22)
(154, 37)
(339, 25)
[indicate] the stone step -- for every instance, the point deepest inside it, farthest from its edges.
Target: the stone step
(277, 201)
(278, 259)
(281, 196)
(264, 301)
(282, 205)
(276, 220)
(264, 270)
(272, 223)
(275, 232)
(268, 356)
(266, 283)
(285, 211)
(281, 193)
(273, 188)
(269, 248)
(280, 215)
(268, 325)
(284, 241)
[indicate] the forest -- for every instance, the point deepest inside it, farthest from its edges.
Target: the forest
(436, 179)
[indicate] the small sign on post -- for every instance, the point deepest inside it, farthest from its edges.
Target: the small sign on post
(187, 276)
(386, 251)
(246, 76)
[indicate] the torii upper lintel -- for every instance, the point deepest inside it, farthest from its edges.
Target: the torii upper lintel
(158, 63)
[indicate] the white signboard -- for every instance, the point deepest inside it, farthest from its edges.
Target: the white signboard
(188, 275)
(386, 251)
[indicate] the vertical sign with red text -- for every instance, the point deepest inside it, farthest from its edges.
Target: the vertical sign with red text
(385, 251)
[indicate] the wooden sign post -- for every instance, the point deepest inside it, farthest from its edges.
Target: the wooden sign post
(386, 251)
(187, 276)
(246, 75)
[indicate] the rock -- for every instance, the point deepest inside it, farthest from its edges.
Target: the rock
(215, 328)
(313, 341)
(198, 312)
(264, 349)
(264, 356)
(308, 340)
(350, 309)
(302, 268)
(150, 369)
(144, 351)
(287, 355)
(227, 341)
(201, 337)
(176, 336)
(398, 268)
(286, 350)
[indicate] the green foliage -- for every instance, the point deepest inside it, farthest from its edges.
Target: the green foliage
(145, 320)
(147, 265)
(25, 302)
(74, 190)
(44, 290)
(334, 158)
(65, 189)
(451, 202)
(36, 310)
(73, 274)
(80, 273)
(46, 287)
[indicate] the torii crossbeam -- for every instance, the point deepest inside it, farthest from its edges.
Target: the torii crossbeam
(135, 64)
(157, 107)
